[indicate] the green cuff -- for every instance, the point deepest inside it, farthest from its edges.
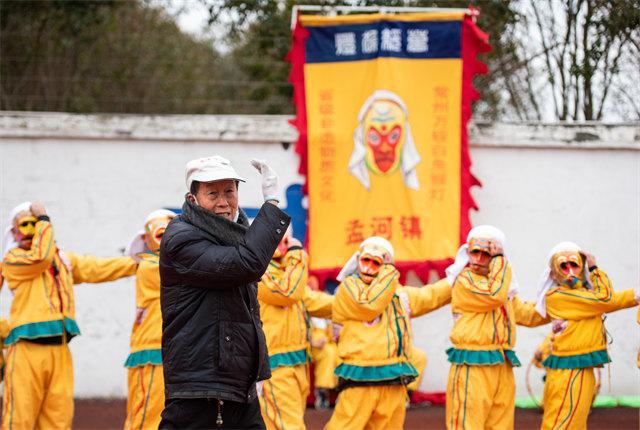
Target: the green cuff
(146, 356)
(42, 329)
(591, 359)
(288, 359)
(375, 373)
(482, 357)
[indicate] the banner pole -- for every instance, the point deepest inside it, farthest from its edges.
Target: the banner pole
(333, 10)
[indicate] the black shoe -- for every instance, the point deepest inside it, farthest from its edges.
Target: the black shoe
(322, 399)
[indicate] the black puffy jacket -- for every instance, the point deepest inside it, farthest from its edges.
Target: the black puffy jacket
(213, 345)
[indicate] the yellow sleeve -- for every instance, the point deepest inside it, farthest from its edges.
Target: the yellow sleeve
(147, 283)
(4, 330)
(89, 268)
(526, 314)
(470, 297)
(23, 264)
(286, 289)
(317, 303)
(428, 298)
(356, 300)
(582, 304)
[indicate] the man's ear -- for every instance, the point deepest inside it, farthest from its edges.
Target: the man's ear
(191, 198)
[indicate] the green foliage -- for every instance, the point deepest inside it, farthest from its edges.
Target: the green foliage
(261, 36)
(103, 56)
(130, 57)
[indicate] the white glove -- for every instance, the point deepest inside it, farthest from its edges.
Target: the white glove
(269, 180)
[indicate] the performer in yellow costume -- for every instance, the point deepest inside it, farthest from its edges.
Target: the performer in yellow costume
(285, 307)
(375, 343)
(486, 309)
(38, 391)
(145, 400)
(324, 355)
(574, 289)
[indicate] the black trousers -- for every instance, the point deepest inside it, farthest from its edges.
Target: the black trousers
(203, 414)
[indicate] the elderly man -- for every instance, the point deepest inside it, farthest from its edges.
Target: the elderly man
(213, 347)
(38, 391)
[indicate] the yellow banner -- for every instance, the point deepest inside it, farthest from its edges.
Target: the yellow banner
(383, 124)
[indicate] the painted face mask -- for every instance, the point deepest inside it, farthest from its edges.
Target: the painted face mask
(26, 225)
(384, 136)
(369, 266)
(154, 230)
(479, 255)
(568, 268)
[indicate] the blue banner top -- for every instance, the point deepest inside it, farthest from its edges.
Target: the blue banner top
(399, 39)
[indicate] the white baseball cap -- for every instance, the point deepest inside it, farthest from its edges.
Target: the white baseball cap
(209, 169)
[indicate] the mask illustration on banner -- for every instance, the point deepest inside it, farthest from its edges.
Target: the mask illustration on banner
(383, 142)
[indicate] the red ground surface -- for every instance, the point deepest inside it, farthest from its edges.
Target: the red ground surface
(109, 414)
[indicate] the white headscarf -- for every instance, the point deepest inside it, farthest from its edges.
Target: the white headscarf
(547, 282)
(9, 241)
(137, 245)
(410, 157)
(462, 257)
(352, 265)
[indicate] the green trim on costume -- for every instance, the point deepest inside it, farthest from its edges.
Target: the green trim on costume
(481, 357)
(275, 405)
(146, 400)
(591, 359)
(146, 356)
(512, 357)
(375, 373)
(288, 359)
(42, 329)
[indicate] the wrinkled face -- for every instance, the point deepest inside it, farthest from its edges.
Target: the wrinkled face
(479, 255)
(219, 197)
(384, 136)
(567, 268)
(154, 230)
(24, 227)
(369, 266)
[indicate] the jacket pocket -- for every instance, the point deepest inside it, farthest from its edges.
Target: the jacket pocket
(225, 346)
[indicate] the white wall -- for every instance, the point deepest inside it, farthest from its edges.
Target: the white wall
(99, 176)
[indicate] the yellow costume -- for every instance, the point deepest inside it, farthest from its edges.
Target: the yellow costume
(581, 346)
(145, 400)
(375, 346)
(285, 306)
(39, 373)
(481, 387)
(325, 357)
(418, 358)
(146, 380)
